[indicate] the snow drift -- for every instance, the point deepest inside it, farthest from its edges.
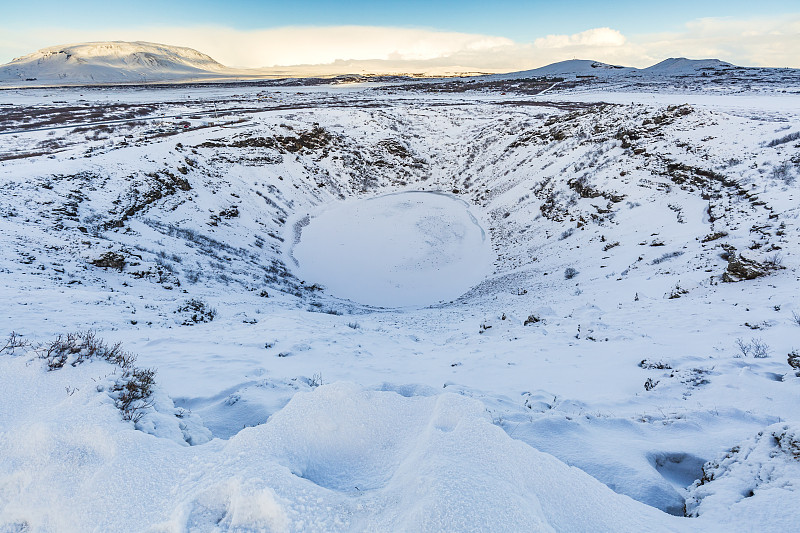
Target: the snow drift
(338, 458)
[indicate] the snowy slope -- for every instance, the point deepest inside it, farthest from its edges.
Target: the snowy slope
(114, 61)
(617, 331)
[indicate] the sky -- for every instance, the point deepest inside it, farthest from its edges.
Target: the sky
(416, 35)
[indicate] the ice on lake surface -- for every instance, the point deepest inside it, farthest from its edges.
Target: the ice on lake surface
(405, 249)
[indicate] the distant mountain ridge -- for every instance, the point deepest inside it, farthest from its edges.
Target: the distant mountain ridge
(145, 62)
(582, 68)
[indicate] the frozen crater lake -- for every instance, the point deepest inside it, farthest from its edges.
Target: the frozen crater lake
(403, 249)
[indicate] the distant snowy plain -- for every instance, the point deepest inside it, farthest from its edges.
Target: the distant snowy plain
(584, 367)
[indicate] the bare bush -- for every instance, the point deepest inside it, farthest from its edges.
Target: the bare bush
(315, 380)
(570, 273)
(13, 342)
(132, 392)
(760, 348)
(77, 348)
(677, 292)
(744, 347)
(666, 257)
(774, 261)
(785, 139)
(566, 233)
(756, 347)
(783, 172)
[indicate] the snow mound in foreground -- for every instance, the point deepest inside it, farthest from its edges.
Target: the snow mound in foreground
(338, 458)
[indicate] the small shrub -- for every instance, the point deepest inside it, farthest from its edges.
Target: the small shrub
(677, 292)
(231, 212)
(354, 325)
(13, 342)
(192, 276)
(774, 261)
(77, 348)
(666, 257)
(756, 347)
(783, 172)
(650, 384)
(110, 260)
(796, 318)
(760, 348)
(794, 361)
(315, 380)
(132, 392)
(744, 347)
(532, 319)
(566, 233)
(197, 311)
(570, 273)
(651, 365)
(785, 139)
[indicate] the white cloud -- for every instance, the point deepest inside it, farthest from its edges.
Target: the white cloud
(290, 45)
(592, 38)
(763, 41)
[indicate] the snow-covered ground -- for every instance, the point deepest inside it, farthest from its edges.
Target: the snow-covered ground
(611, 368)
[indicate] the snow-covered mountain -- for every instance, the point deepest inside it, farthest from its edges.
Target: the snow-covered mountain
(572, 67)
(113, 61)
(584, 68)
(680, 66)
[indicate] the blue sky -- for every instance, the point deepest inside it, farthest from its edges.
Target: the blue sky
(27, 26)
(517, 20)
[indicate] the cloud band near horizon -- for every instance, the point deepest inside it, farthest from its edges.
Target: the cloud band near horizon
(766, 41)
